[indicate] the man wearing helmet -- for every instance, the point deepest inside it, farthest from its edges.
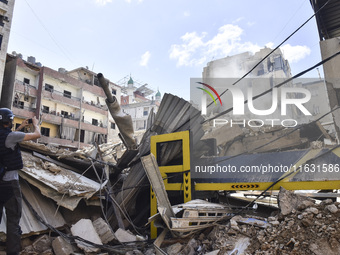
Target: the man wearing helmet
(11, 162)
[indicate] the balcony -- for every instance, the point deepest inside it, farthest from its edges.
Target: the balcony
(61, 97)
(54, 118)
(23, 111)
(101, 109)
(94, 128)
(25, 88)
(64, 142)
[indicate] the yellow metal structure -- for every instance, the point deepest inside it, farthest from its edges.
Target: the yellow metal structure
(185, 186)
(285, 182)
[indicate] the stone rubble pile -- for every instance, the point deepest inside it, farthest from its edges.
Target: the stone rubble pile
(303, 226)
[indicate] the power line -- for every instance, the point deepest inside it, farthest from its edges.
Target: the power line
(290, 19)
(48, 32)
(278, 85)
(273, 50)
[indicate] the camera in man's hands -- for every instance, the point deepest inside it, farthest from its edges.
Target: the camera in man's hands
(30, 121)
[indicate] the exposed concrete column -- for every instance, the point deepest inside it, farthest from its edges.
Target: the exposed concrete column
(40, 92)
(80, 115)
(332, 76)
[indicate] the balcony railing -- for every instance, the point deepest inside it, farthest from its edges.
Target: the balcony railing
(54, 113)
(98, 124)
(61, 93)
(25, 84)
(23, 107)
(103, 107)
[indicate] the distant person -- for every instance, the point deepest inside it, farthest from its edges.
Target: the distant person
(10, 163)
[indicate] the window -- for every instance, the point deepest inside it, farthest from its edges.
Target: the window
(45, 109)
(146, 111)
(4, 1)
(65, 114)
(278, 63)
(45, 131)
(21, 104)
(113, 125)
(114, 92)
(260, 70)
(49, 87)
(26, 81)
(94, 122)
(1, 36)
(82, 135)
(67, 94)
(2, 19)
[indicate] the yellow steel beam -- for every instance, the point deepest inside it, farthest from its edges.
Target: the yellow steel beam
(296, 185)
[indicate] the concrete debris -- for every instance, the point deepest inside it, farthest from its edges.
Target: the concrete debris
(234, 140)
(80, 185)
(215, 252)
(174, 249)
(84, 229)
(288, 201)
(104, 231)
(124, 236)
(306, 227)
(61, 246)
(42, 244)
(224, 134)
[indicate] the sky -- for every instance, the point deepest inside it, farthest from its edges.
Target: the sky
(161, 43)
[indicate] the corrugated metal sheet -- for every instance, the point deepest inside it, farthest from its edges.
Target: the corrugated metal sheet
(174, 115)
(45, 207)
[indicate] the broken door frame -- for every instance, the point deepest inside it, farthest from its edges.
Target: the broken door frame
(184, 137)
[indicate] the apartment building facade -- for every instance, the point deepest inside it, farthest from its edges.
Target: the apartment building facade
(70, 104)
(6, 14)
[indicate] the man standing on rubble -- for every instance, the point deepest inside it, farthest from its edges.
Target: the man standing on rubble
(11, 162)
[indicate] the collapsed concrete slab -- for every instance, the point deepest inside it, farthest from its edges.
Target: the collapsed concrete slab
(61, 246)
(103, 230)
(288, 201)
(125, 236)
(84, 229)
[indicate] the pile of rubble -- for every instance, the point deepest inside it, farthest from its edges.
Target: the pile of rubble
(302, 226)
(97, 200)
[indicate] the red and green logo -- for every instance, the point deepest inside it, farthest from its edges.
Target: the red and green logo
(209, 93)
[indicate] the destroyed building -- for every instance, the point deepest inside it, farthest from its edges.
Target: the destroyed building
(116, 198)
(6, 17)
(70, 104)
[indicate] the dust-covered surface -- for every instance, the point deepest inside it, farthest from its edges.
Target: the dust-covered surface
(58, 178)
(307, 227)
